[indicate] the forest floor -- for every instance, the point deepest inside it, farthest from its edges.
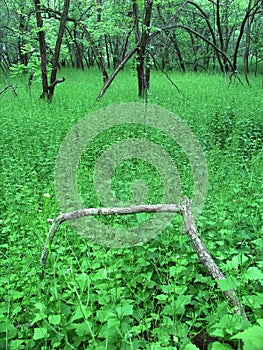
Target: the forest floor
(151, 296)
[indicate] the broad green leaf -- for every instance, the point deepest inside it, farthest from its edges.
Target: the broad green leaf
(218, 346)
(217, 332)
(254, 301)
(180, 303)
(8, 329)
(109, 329)
(237, 261)
(124, 310)
(191, 347)
(252, 338)
(229, 283)
(172, 271)
(38, 317)
(40, 333)
(253, 273)
(40, 306)
(15, 344)
(162, 297)
(81, 329)
(54, 319)
(78, 314)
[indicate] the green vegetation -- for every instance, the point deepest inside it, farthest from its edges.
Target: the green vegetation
(155, 296)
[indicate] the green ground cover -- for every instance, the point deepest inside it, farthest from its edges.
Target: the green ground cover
(155, 296)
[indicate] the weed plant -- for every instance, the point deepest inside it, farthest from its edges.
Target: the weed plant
(156, 296)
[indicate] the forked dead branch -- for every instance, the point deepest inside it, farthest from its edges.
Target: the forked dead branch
(183, 209)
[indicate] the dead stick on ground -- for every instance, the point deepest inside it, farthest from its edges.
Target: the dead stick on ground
(190, 228)
(205, 257)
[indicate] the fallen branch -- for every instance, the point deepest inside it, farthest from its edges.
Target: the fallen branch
(184, 209)
(28, 325)
(205, 257)
(161, 208)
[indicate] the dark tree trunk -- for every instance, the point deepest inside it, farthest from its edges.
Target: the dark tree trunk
(48, 90)
(100, 46)
(251, 11)
(107, 47)
(78, 48)
(42, 49)
(23, 56)
(62, 26)
(143, 66)
(212, 32)
(125, 45)
(220, 35)
(247, 46)
(173, 39)
(116, 53)
(97, 53)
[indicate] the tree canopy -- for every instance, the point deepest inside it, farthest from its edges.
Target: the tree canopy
(200, 35)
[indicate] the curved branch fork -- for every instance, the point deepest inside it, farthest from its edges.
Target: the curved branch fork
(183, 209)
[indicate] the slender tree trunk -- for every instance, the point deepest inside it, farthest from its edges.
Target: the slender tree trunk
(246, 51)
(125, 45)
(251, 11)
(78, 52)
(143, 66)
(23, 56)
(221, 35)
(42, 49)
(212, 32)
(107, 48)
(173, 39)
(97, 53)
(100, 45)
(62, 26)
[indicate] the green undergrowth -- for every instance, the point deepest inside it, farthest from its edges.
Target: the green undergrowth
(155, 296)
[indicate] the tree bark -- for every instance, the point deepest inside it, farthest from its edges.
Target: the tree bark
(143, 65)
(62, 25)
(97, 53)
(173, 40)
(42, 49)
(184, 209)
(23, 56)
(251, 10)
(213, 35)
(115, 73)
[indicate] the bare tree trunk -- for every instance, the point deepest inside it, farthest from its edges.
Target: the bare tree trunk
(97, 53)
(23, 56)
(221, 35)
(61, 31)
(48, 90)
(100, 46)
(143, 67)
(246, 53)
(125, 45)
(173, 40)
(107, 48)
(212, 32)
(42, 49)
(251, 10)
(117, 70)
